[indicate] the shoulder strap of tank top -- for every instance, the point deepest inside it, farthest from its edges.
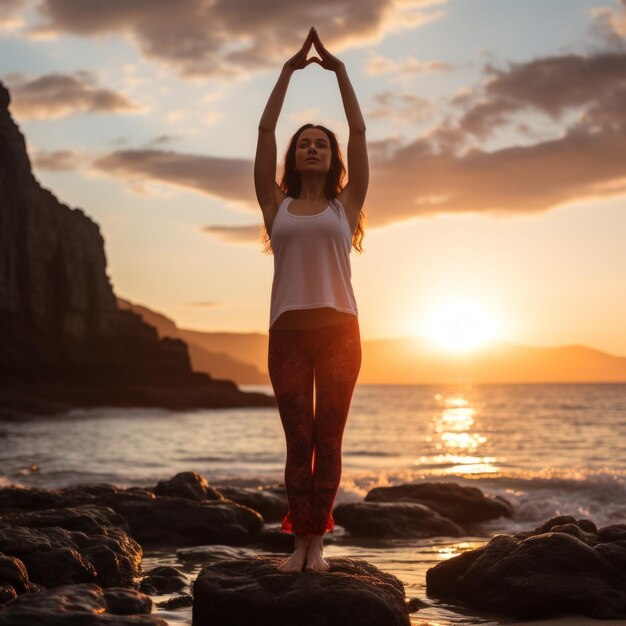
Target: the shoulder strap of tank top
(286, 200)
(343, 209)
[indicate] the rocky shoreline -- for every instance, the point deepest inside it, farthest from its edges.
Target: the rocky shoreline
(78, 552)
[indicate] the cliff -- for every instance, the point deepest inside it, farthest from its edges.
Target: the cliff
(64, 343)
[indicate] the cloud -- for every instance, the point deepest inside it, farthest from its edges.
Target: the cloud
(550, 85)
(609, 25)
(57, 161)
(200, 38)
(229, 179)
(247, 233)
(52, 96)
(9, 10)
(586, 162)
(405, 68)
(161, 139)
(204, 305)
(440, 171)
(401, 108)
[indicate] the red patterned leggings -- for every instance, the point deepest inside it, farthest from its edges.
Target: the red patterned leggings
(332, 356)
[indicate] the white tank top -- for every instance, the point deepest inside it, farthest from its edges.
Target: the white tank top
(311, 261)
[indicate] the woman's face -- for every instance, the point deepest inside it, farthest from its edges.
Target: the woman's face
(313, 152)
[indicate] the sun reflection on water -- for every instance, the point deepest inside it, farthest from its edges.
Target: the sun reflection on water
(456, 447)
(456, 548)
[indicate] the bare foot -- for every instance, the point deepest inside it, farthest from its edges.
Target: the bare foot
(293, 565)
(315, 556)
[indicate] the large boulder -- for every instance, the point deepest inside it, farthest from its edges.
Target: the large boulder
(564, 566)
(387, 520)
(253, 590)
(190, 485)
(271, 502)
(460, 504)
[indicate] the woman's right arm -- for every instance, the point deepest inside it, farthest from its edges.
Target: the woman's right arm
(268, 193)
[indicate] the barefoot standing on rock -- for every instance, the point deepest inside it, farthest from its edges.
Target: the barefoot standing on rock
(312, 221)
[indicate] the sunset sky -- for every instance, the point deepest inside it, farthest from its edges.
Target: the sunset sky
(497, 135)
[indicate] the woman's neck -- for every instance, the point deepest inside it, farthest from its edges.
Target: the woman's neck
(312, 189)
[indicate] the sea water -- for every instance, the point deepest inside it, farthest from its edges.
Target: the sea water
(550, 449)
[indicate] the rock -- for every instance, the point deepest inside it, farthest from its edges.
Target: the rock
(275, 540)
(124, 601)
(55, 556)
(86, 604)
(188, 485)
(178, 602)
(209, 554)
(164, 579)
(7, 592)
(150, 519)
(253, 591)
(182, 522)
(13, 576)
(65, 343)
(451, 500)
(270, 503)
(87, 518)
(393, 519)
(541, 573)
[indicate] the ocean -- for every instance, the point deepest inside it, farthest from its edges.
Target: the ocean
(550, 449)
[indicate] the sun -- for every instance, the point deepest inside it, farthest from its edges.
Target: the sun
(460, 325)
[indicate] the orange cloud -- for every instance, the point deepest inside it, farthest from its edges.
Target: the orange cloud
(58, 95)
(56, 161)
(439, 173)
(230, 179)
(206, 37)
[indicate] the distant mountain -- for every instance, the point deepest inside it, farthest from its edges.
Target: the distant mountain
(402, 360)
(414, 360)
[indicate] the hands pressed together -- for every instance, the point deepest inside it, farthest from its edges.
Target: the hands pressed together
(299, 61)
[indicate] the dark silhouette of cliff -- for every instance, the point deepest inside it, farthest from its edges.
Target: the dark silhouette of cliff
(241, 357)
(64, 342)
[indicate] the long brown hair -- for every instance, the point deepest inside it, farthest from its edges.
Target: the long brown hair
(291, 182)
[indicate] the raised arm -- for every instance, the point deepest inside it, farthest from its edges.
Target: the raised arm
(353, 195)
(268, 193)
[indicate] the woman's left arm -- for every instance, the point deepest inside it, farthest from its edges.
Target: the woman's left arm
(353, 195)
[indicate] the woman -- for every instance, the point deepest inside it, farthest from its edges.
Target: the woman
(312, 221)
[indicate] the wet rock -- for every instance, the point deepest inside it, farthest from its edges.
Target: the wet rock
(254, 591)
(188, 485)
(542, 573)
(125, 601)
(275, 540)
(393, 519)
(152, 520)
(457, 503)
(55, 556)
(7, 592)
(85, 604)
(178, 602)
(13, 577)
(182, 522)
(270, 503)
(15, 499)
(209, 554)
(164, 579)
(87, 518)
